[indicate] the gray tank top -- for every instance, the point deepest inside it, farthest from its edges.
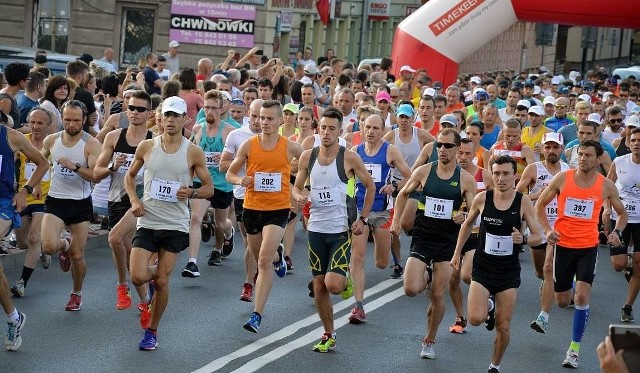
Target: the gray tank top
(163, 174)
(410, 151)
(65, 183)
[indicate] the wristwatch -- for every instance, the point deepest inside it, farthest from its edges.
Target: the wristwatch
(77, 167)
(619, 233)
(194, 195)
(364, 219)
(28, 188)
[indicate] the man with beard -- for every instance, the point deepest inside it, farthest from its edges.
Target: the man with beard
(437, 222)
(535, 178)
(509, 110)
(73, 154)
(614, 124)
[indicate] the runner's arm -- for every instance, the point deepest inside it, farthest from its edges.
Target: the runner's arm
(199, 167)
(529, 216)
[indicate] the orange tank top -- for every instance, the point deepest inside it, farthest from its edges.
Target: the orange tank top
(578, 213)
(271, 170)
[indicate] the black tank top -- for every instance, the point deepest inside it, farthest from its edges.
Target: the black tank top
(493, 225)
(122, 146)
(439, 227)
(622, 149)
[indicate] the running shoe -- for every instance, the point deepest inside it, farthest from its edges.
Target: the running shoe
(13, 340)
(45, 260)
(348, 290)
(18, 289)
(145, 314)
(253, 324)
(539, 325)
(602, 238)
(490, 322)
(214, 258)
(493, 370)
(627, 314)
(74, 304)
(124, 297)
(206, 228)
(65, 257)
(280, 267)
(428, 349)
(571, 360)
(357, 316)
(287, 259)
(327, 342)
(459, 326)
(310, 287)
(227, 243)
(191, 270)
(149, 341)
(397, 271)
(246, 295)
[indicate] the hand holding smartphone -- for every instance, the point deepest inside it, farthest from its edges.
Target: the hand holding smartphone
(627, 338)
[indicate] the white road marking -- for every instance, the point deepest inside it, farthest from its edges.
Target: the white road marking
(309, 338)
(292, 329)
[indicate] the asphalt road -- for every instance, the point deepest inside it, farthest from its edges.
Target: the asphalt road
(202, 326)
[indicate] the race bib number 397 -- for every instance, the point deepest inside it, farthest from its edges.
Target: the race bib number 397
(579, 208)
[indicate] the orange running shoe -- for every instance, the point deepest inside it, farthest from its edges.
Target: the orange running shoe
(124, 297)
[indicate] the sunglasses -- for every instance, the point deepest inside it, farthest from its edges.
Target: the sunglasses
(619, 120)
(447, 145)
(560, 106)
(139, 109)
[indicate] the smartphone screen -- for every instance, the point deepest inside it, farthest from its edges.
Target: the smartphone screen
(627, 338)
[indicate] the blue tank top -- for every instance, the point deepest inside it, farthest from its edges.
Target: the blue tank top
(380, 171)
(7, 167)
(490, 138)
(212, 145)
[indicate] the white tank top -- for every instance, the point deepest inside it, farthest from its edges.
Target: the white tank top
(66, 184)
(410, 151)
(543, 178)
(317, 142)
(163, 175)
(328, 196)
(628, 184)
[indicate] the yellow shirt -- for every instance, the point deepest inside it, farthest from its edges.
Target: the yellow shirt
(26, 169)
(532, 140)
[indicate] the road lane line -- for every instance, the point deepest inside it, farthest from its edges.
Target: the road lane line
(309, 338)
(290, 330)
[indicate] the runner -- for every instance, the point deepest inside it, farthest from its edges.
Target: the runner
(10, 203)
(513, 146)
(117, 154)
(437, 221)
(328, 168)
(267, 201)
(73, 154)
(211, 136)
(465, 155)
(535, 178)
(625, 173)
(231, 147)
(580, 194)
(28, 235)
(496, 267)
(170, 162)
(379, 158)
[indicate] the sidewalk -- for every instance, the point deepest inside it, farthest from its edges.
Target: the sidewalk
(96, 238)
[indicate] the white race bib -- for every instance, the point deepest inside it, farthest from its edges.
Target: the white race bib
(267, 182)
(632, 207)
(498, 245)
(480, 186)
(438, 208)
(164, 190)
(30, 168)
(64, 173)
(375, 170)
(552, 210)
(510, 153)
(128, 161)
(209, 157)
(579, 208)
(325, 196)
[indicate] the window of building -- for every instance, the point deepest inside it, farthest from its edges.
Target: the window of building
(136, 35)
(52, 24)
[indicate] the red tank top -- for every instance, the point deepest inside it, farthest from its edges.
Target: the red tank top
(578, 213)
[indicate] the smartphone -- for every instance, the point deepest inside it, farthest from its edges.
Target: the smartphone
(101, 98)
(627, 338)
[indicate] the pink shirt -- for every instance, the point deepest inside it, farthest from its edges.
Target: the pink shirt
(194, 101)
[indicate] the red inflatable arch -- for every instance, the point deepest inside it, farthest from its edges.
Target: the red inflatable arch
(443, 32)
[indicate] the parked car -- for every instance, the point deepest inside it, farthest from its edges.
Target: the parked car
(56, 62)
(625, 72)
(369, 61)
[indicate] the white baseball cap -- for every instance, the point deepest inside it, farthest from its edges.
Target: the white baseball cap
(595, 117)
(549, 100)
(526, 103)
(475, 79)
(429, 92)
(407, 68)
(174, 104)
(553, 137)
(584, 97)
(174, 44)
(632, 121)
(537, 110)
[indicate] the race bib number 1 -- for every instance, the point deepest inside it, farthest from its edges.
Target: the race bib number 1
(438, 208)
(498, 245)
(164, 190)
(267, 182)
(579, 208)
(375, 170)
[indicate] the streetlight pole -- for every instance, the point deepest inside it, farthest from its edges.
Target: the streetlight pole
(363, 30)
